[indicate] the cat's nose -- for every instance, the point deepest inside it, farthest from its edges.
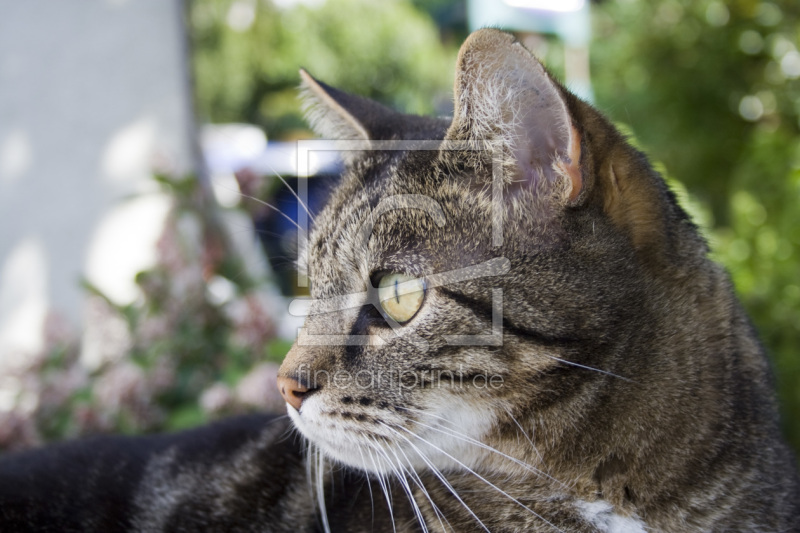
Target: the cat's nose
(292, 391)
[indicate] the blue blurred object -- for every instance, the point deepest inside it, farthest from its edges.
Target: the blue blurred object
(278, 236)
(242, 150)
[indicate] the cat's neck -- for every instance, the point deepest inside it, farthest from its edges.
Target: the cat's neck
(497, 503)
(591, 453)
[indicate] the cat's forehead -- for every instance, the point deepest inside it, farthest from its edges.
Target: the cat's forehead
(400, 212)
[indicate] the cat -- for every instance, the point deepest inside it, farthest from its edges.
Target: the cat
(513, 326)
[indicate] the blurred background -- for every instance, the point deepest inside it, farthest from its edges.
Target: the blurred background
(147, 151)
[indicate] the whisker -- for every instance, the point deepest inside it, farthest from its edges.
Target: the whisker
(265, 204)
(530, 440)
(399, 473)
(383, 484)
(498, 489)
(309, 469)
(585, 367)
(321, 491)
(369, 485)
(438, 474)
(469, 440)
(263, 232)
(461, 436)
(418, 481)
(301, 202)
(288, 432)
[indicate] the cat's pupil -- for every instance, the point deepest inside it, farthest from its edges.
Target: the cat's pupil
(400, 296)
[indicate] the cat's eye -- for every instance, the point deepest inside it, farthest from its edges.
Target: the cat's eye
(400, 296)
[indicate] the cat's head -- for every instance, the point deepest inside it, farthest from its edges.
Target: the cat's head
(486, 280)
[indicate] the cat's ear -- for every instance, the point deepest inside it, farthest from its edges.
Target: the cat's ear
(327, 111)
(337, 115)
(503, 95)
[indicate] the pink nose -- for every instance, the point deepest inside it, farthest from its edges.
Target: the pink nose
(292, 391)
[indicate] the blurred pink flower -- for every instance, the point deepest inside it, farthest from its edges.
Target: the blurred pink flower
(216, 398)
(259, 388)
(17, 432)
(253, 327)
(123, 384)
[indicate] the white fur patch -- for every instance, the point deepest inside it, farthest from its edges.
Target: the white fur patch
(602, 516)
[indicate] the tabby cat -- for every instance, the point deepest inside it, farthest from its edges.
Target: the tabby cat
(512, 328)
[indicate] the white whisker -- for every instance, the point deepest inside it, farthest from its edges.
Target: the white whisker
(418, 481)
(585, 367)
(498, 489)
(438, 474)
(399, 473)
(466, 438)
(321, 491)
(266, 204)
(383, 483)
(301, 202)
(369, 485)
(530, 440)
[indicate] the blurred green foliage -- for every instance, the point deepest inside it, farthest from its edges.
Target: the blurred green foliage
(712, 92)
(247, 54)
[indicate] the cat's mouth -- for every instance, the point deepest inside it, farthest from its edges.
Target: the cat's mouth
(444, 439)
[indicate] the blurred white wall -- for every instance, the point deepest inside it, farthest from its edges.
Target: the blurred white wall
(93, 95)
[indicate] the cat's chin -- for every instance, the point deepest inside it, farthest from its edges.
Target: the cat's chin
(334, 444)
(392, 450)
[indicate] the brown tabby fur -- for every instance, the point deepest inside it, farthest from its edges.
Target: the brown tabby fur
(677, 431)
(630, 391)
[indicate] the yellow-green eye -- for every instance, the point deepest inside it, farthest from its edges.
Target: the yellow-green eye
(401, 296)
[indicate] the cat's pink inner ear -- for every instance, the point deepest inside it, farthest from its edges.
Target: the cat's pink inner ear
(504, 94)
(546, 145)
(571, 167)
